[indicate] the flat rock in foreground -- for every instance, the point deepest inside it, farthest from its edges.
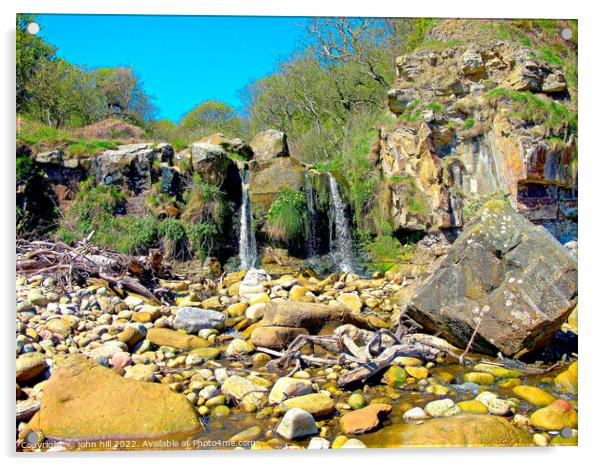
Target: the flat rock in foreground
(466, 430)
(513, 273)
(86, 401)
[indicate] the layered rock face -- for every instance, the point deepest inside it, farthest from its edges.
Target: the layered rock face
(505, 277)
(465, 129)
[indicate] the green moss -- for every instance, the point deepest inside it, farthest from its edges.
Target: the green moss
(436, 107)
(469, 123)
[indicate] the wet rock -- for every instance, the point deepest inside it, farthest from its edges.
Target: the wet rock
(357, 401)
(317, 404)
(569, 379)
(354, 443)
(533, 395)
(506, 271)
(555, 416)
(472, 406)
(481, 378)
(141, 372)
(132, 334)
(30, 365)
(364, 419)
(351, 300)
(465, 430)
(250, 395)
(167, 337)
(395, 376)
(297, 423)
(239, 347)
(495, 405)
(193, 319)
(318, 443)
(287, 387)
(442, 408)
(311, 316)
(247, 435)
(199, 355)
(415, 414)
(275, 337)
(75, 406)
(496, 371)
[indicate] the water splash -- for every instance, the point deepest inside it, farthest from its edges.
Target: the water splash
(343, 249)
(312, 231)
(247, 247)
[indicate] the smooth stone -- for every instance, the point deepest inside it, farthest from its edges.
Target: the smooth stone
(464, 430)
(30, 365)
(250, 395)
(415, 414)
(317, 404)
(354, 443)
(481, 378)
(173, 338)
(442, 408)
(193, 319)
(418, 372)
(239, 347)
(568, 380)
(357, 401)
(255, 311)
(287, 387)
(395, 376)
(533, 395)
(247, 435)
(297, 423)
(472, 406)
(141, 372)
(364, 419)
(85, 401)
(200, 355)
(318, 443)
(555, 416)
(496, 371)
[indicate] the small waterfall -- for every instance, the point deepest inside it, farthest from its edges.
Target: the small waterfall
(247, 247)
(343, 244)
(312, 231)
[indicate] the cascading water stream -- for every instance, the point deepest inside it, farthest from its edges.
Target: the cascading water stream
(247, 251)
(312, 231)
(343, 252)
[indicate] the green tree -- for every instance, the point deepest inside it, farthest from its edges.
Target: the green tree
(125, 94)
(212, 116)
(62, 94)
(30, 50)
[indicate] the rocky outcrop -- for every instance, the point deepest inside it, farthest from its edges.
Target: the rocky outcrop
(268, 177)
(76, 407)
(269, 144)
(506, 273)
(474, 120)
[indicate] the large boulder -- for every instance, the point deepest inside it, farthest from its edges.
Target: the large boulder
(466, 430)
(313, 317)
(507, 272)
(232, 145)
(211, 162)
(129, 165)
(269, 144)
(268, 177)
(86, 401)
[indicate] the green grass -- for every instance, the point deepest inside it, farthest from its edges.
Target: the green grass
(469, 123)
(526, 105)
(36, 134)
(288, 218)
(436, 107)
(438, 45)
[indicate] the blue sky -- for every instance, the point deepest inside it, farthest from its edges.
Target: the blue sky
(182, 60)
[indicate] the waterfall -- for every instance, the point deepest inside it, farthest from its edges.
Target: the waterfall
(247, 248)
(312, 231)
(343, 244)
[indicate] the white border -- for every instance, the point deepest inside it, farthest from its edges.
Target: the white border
(590, 107)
